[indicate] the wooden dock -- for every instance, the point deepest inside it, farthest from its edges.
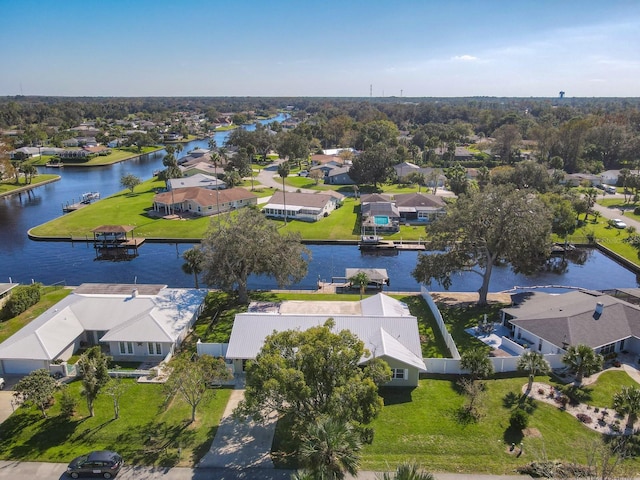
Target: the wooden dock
(72, 207)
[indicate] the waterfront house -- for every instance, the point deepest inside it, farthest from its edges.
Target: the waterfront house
(549, 323)
(130, 322)
(309, 207)
(383, 324)
(198, 180)
(202, 201)
(419, 207)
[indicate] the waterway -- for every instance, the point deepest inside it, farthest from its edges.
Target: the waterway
(24, 260)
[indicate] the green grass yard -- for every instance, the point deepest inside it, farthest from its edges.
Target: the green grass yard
(423, 425)
(147, 432)
(9, 186)
(49, 296)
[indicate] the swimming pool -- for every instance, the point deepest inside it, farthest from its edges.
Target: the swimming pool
(381, 220)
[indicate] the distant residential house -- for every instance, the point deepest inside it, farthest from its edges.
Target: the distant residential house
(339, 176)
(551, 323)
(384, 213)
(70, 142)
(200, 168)
(198, 180)
(74, 153)
(23, 153)
(321, 159)
(419, 207)
(97, 150)
(576, 179)
(433, 176)
(117, 142)
(308, 207)
(202, 201)
(131, 322)
(461, 154)
(383, 324)
(172, 137)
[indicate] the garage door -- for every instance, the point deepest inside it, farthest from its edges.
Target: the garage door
(22, 367)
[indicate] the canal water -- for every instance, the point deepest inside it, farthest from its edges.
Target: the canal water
(23, 260)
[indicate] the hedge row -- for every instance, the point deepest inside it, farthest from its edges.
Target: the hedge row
(22, 297)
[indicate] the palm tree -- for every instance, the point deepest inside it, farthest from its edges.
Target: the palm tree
(215, 158)
(477, 362)
(533, 362)
(283, 171)
(582, 360)
(361, 279)
(330, 450)
(627, 402)
(193, 263)
(408, 471)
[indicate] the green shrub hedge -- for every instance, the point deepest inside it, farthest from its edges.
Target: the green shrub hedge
(22, 297)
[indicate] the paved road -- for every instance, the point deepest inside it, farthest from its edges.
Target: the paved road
(608, 212)
(52, 471)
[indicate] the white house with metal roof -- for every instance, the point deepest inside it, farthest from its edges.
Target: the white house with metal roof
(131, 322)
(384, 324)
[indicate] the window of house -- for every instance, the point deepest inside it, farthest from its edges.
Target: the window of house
(126, 348)
(607, 349)
(154, 348)
(399, 373)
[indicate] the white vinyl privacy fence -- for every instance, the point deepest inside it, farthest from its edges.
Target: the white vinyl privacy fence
(448, 339)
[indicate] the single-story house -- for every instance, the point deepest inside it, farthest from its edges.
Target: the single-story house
(205, 168)
(202, 201)
(433, 176)
(419, 207)
(339, 176)
(198, 180)
(550, 323)
(576, 179)
(461, 154)
(384, 325)
(130, 322)
(379, 213)
(303, 206)
(23, 153)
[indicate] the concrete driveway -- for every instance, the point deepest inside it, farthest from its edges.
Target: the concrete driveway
(240, 445)
(6, 409)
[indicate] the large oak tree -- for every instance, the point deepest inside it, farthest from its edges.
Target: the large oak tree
(248, 244)
(482, 229)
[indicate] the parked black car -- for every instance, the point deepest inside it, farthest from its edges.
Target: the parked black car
(102, 463)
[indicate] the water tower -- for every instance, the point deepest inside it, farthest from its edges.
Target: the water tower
(561, 94)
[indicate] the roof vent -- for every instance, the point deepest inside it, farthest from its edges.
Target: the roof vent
(134, 294)
(599, 308)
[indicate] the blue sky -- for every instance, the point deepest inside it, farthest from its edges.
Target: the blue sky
(320, 48)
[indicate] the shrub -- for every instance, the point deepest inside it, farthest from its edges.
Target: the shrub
(584, 418)
(22, 297)
(519, 419)
(68, 404)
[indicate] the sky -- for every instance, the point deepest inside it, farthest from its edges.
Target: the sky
(336, 48)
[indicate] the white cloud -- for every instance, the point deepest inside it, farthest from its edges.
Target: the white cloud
(465, 58)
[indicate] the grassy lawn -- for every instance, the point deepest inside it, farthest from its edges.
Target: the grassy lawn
(116, 155)
(600, 394)
(9, 186)
(423, 425)
(147, 432)
(124, 208)
(49, 297)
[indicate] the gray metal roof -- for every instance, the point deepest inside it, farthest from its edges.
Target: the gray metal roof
(392, 337)
(157, 317)
(383, 323)
(571, 318)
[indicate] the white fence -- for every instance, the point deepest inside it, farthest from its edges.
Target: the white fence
(451, 366)
(448, 339)
(213, 349)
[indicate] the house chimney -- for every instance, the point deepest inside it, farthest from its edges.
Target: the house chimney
(134, 294)
(599, 308)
